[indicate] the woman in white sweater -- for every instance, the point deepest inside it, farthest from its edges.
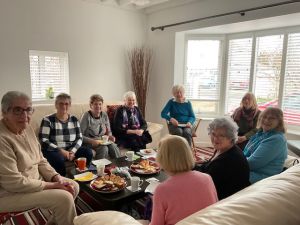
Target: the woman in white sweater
(26, 178)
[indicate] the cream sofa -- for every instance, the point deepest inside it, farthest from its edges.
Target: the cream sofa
(272, 201)
(78, 109)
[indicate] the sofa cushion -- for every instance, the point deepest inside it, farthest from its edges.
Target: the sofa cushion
(274, 200)
(105, 218)
(111, 110)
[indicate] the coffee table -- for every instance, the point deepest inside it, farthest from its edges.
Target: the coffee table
(114, 201)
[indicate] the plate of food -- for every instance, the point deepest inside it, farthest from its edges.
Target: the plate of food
(145, 167)
(108, 184)
(103, 142)
(147, 151)
(84, 177)
(181, 125)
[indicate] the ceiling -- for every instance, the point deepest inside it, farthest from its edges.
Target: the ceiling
(140, 4)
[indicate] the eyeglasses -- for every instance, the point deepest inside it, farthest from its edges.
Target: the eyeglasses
(64, 104)
(18, 111)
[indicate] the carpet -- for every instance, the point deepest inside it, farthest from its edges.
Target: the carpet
(84, 203)
(203, 154)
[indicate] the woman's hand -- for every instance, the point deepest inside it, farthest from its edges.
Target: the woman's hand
(188, 124)
(64, 186)
(174, 122)
(64, 153)
(112, 138)
(94, 142)
(241, 139)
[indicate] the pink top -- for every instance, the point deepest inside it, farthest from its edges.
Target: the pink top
(182, 195)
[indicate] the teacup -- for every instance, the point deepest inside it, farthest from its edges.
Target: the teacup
(100, 169)
(80, 163)
(136, 182)
(129, 155)
(105, 138)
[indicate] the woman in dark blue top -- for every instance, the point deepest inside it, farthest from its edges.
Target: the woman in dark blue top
(179, 114)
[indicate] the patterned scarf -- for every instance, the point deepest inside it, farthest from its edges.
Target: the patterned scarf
(248, 114)
(131, 122)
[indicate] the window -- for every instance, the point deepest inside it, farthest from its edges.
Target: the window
(266, 63)
(202, 75)
(49, 73)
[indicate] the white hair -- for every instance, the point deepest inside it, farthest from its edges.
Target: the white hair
(9, 97)
(129, 94)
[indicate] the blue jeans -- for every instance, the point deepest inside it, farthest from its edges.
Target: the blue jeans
(57, 161)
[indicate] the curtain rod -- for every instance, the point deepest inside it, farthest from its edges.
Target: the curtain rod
(241, 12)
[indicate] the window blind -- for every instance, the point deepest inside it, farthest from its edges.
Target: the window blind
(291, 94)
(48, 70)
(202, 75)
(238, 71)
(267, 69)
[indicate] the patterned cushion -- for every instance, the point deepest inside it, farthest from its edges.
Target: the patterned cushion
(111, 110)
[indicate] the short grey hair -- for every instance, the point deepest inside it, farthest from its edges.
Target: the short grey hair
(226, 123)
(176, 88)
(9, 97)
(63, 96)
(129, 94)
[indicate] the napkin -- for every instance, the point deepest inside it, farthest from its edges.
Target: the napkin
(87, 176)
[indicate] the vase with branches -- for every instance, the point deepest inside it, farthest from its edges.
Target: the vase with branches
(140, 63)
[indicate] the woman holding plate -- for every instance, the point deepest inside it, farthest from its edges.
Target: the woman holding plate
(94, 126)
(185, 191)
(179, 114)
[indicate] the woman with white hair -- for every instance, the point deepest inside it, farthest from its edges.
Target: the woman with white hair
(26, 178)
(179, 114)
(129, 125)
(228, 166)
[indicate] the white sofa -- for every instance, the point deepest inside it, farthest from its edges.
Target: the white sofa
(78, 109)
(272, 201)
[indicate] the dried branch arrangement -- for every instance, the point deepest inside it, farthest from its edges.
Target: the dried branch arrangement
(140, 63)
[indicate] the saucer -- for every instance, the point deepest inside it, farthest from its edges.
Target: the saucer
(129, 188)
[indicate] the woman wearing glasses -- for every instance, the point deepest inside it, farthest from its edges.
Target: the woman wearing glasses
(228, 166)
(26, 179)
(266, 151)
(61, 137)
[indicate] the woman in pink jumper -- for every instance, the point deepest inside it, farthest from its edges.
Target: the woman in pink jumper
(186, 191)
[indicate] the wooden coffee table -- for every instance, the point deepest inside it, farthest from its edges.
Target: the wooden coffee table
(114, 201)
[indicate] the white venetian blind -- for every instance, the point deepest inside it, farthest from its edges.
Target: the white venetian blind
(238, 71)
(202, 75)
(267, 70)
(291, 93)
(48, 70)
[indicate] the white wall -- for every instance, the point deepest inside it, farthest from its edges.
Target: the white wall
(95, 36)
(163, 42)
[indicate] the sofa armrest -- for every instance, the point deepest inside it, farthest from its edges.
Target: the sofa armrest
(274, 200)
(155, 129)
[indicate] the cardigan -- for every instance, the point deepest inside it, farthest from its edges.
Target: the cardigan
(182, 195)
(23, 167)
(266, 153)
(229, 171)
(182, 112)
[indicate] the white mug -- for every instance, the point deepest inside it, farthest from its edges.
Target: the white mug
(136, 182)
(100, 169)
(129, 155)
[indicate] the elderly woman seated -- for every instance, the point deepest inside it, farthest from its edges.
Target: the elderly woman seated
(130, 126)
(61, 137)
(179, 114)
(26, 179)
(228, 166)
(266, 151)
(94, 125)
(246, 117)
